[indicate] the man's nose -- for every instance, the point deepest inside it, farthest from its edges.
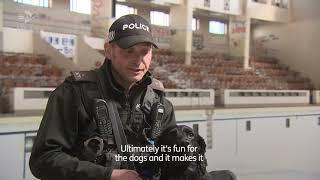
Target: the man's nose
(138, 57)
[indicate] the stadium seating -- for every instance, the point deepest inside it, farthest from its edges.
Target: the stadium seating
(207, 71)
(27, 70)
(218, 71)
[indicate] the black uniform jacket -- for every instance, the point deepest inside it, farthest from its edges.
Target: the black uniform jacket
(65, 125)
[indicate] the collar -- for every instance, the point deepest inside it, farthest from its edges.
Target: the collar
(142, 84)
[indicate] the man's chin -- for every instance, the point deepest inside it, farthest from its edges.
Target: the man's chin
(134, 80)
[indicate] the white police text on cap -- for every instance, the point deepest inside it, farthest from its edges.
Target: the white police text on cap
(135, 26)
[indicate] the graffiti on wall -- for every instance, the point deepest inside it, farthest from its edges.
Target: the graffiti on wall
(27, 18)
(262, 48)
(238, 27)
(237, 37)
(64, 43)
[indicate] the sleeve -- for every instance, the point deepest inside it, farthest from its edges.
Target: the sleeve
(58, 132)
(170, 119)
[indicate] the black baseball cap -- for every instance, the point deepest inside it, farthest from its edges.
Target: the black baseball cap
(129, 30)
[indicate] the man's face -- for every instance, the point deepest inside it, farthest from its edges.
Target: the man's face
(130, 64)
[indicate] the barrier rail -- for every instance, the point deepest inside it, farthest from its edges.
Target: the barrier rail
(316, 97)
(35, 99)
(191, 97)
(28, 98)
(237, 97)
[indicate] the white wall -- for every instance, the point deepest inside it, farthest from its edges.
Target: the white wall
(55, 57)
(1, 15)
(57, 18)
(1, 25)
(12, 152)
(17, 40)
(237, 30)
(95, 43)
(298, 43)
(86, 57)
(232, 7)
(270, 150)
(267, 12)
(212, 43)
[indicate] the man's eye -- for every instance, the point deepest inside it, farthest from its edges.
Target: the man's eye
(144, 51)
(129, 51)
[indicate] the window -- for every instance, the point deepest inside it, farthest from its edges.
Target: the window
(159, 18)
(195, 24)
(206, 3)
(122, 10)
(276, 3)
(260, 1)
(216, 27)
(41, 3)
(280, 3)
(80, 6)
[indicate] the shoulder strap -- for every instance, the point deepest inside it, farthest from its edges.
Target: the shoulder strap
(157, 85)
(154, 93)
(152, 104)
(88, 87)
(83, 76)
(87, 83)
(117, 127)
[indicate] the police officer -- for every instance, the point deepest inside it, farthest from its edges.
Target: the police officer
(67, 122)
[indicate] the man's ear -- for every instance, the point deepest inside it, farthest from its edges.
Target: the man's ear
(107, 50)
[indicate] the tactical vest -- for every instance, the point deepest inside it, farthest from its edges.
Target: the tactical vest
(137, 119)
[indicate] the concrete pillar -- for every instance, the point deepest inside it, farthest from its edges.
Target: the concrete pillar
(101, 17)
(144, 12)
(60, 5)
(1, 25)
(269, 2)
(247, 43)
(290, 9)
(237, 32)
(181, 23)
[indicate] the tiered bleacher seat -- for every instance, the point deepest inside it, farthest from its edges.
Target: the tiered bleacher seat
(161, 34)
(27, 70)
(218, 71)
(283, 77)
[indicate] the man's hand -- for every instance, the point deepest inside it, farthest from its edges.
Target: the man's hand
(124, 174)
